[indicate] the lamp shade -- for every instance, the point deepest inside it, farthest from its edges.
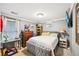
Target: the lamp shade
(1, 24)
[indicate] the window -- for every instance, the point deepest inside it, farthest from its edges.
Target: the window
(10, 29)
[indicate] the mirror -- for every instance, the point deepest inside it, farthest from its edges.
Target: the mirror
(77, 23)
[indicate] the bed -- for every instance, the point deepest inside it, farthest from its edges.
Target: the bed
(43, 45)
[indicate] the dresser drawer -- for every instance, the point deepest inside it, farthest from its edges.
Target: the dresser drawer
(26, 36)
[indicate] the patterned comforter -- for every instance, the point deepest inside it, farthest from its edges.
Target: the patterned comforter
(42, 45)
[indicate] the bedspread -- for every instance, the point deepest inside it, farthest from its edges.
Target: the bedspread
(42, 45)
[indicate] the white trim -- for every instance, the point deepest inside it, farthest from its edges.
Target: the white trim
(15, 17)
(60, 19)
(56, 20)
(24, 19)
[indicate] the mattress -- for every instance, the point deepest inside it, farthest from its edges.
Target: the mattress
(42, 43)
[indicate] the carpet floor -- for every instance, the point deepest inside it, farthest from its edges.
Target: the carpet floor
(58, 52)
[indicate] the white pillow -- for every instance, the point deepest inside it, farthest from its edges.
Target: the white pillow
(53, 34)
(45, 33)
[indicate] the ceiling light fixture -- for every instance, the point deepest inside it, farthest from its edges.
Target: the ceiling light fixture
(40, 14)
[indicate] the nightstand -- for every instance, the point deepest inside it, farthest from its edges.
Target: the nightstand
(63, 43)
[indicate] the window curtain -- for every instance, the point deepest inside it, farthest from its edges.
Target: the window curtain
(1, 24)
(1, 28)
(10, 29)
(4, 25)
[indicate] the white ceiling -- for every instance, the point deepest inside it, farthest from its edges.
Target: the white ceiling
(52, 11)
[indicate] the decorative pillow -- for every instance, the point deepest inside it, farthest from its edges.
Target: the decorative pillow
(45, 33)
(53, 34)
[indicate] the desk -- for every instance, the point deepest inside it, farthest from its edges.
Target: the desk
(10, 44)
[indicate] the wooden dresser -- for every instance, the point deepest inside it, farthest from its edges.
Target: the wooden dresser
(26, 36)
